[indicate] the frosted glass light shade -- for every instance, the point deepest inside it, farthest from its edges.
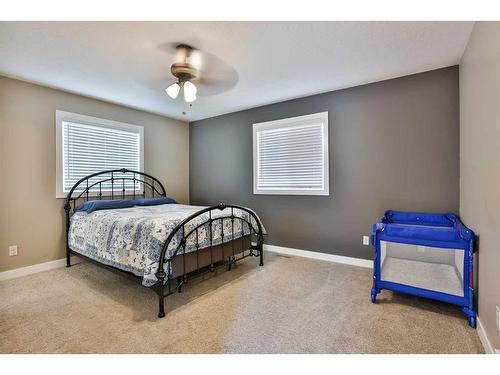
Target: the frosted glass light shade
(189, 92)
(173, 90)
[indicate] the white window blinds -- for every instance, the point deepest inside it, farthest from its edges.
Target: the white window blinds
(291, 156)
(88, 148)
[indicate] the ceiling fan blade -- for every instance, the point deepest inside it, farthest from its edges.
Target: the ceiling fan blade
(216, 76)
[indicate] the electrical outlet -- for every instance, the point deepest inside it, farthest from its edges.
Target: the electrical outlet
(12, 250)
(366, 240)
(498, 318)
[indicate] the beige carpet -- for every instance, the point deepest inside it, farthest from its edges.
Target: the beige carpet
(291, 305)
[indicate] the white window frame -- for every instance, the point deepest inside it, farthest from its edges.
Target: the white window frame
(285, 123)
(62, 116)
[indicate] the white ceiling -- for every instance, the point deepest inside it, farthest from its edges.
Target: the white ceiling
(127, 63)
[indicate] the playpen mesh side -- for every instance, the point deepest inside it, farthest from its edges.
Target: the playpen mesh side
(432, 268)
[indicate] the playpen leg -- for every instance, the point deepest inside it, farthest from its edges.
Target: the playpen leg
(374, 293)
(471, 316)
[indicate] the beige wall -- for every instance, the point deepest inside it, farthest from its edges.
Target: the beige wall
(30, 215)
(480, 161)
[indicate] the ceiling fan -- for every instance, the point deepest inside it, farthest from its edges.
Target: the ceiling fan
(198, 73)
(185, 68)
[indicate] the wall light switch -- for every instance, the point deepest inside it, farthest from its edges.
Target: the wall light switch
(366, 240)
(12, 250)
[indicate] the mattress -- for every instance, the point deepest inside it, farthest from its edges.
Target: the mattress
(131, 239)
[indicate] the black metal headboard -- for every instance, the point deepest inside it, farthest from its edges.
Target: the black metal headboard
(113, 184)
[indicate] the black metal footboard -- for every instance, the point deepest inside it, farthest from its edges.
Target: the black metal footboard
(180, 234)
(124, 183)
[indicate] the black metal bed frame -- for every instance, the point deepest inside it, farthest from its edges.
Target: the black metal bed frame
(91, 187)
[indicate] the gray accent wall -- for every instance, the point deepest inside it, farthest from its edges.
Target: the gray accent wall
(393, 145)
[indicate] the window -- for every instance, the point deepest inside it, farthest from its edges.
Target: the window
(86, 145)
(290, 156)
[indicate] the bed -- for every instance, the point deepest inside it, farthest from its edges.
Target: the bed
(137, 231)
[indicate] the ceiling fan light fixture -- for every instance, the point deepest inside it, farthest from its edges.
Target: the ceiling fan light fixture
(190, 91)
(185, 68)
(173, 90)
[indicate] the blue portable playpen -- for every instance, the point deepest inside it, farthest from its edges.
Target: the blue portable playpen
(427, 255)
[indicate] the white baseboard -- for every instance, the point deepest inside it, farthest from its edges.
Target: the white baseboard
(24, 271)
(487, 345)
(29, 270)
(321, 256)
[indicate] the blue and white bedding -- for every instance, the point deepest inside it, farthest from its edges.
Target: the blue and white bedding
(131, 239)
